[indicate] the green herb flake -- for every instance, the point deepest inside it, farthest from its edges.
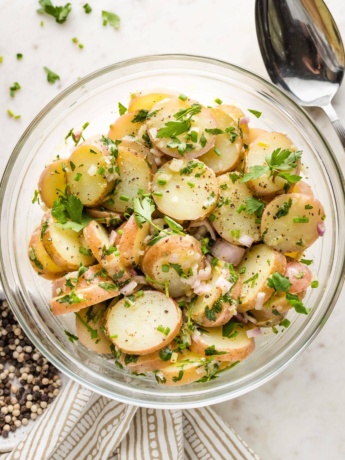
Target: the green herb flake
(183, 97)
(285, 323)
(306, 261)
(165, 268)
(211, 351)
(107, 286)
(163, 330)
(283, 209)
(217, 152)
(228, 329)
(87, 8)
(252, 280)
(36, 197)
(218, 101)
(314, 284)
(14, 88)
(19, 56)
(165, 354)
(256, 113)
(52, 77)
(254, 206)
(12, 115)
(214, 131)
(112, 19)
(300, 220)
(71, 337)
(178, 377)
(34, 259)
(77, 177)
(59, 13)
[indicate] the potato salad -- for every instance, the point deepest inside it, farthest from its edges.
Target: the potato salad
(177, 238)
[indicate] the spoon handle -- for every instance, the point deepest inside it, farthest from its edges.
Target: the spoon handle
(334, 119)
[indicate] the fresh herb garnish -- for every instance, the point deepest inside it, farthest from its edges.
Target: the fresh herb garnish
(76, 137)
(182, 124)
(283, 209)
(143, 115)
(111, 18)
(51, 76)
(253, 205)
(228, 329)
(87, 8)
(165, 354)
(71, 337)
(122, 109)
(14, 88)
(178, 377)
(281, 283)
(256, 113)
(211, 351)
(68, 211)
(60, 13)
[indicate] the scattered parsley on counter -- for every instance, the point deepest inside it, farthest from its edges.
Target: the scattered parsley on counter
(15, 87)
(51, 76)
(1, 59)
(111, 18)
(12, 115)
(60, 13)
(19, 56)
(87, 8)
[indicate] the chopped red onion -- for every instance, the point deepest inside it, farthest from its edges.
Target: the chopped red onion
(244, 120)
(112, 237)
(240, 318)
(321, 228)
(129, 288)
(206, 224)
(246, 240)
(227, 252)
(254, 332)
(259, 302)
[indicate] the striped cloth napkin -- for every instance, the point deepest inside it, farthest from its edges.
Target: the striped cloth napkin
(82, 425)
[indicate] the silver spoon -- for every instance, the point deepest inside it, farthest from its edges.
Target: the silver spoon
(303, 52)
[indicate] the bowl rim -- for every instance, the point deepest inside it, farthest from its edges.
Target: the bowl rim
(210, 399)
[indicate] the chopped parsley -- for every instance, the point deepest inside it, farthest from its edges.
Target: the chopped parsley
(60, 13)
(68, 211)
(211, 351)
(14, 88)
(182, 124)
(218, 101)
(178, 377)
(12, 115)
(228, 329)
(300, 220)
(165, 354)
(283, 209)
(122, 109)
(76, 137)
(112, 19)
(252, 280)
(254, 206)
(281, 283)
(51, 76)
(19, 56)
(256, 113)
(87, 8)
(71, 337)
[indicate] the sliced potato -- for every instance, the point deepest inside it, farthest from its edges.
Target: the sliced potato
(134, 177)
(292, 222)
(89, 325)
(131, 244)
(273, 311)
(185, 189)
(254, 133)
(63, 245)
(239, 117)
(231, 220)
(52, 182)
(107, 255)
(184, 144)
(40, 260)
(139, 148)
(258, 264)
(89, 289)
(90, 174)
(211, 342)
(172, 260)
(150, 362)
(262, 147)
(226, 152)
(145, 324)
(107, 218)
(299, 275)
(301, 187)
(145, 100)
(124, 126)
(217, 306)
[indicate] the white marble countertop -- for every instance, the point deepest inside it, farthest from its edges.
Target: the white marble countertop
(299, 414)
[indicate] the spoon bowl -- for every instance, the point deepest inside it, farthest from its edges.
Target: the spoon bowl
(303, 51)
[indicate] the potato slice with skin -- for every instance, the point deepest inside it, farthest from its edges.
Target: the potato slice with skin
(239, 117)
(131, 245)
(108, 256)
(259, 263)
(88, 174)
(107, 218)
(262, 147)
(301, 187)
(297, 227)
(226, 152)
(254, 133)
(89, 328)
(124, 126)
(182, 252)
(91, 288)
(299, 275)
(52, 182)
(147, 363)
(236, 227)
(185, 189)
(167, 111)
(274, 310)
(145, 324)
(145, 100)
(189, 368)
(66, 283)
(40, 260)
(140, 149)
(63, 245)
(134, 176)
(211, 342)
(216, 307)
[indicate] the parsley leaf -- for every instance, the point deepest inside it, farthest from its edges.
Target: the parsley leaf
(15, 87)
(211, 351)
(60, 13)
(122, 109)
(143, 115)
(228, 329)
(143, 210)
(256, 113)
(283, 210)
(51, 76)
(87, 8)
(70, 207)
(178, 377)
(174, 128)
(279, 283)
(111, 18)
(71, 337)
(255, 172)
(255, 206)
(175, 227)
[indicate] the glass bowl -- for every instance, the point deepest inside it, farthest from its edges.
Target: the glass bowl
(94, 99)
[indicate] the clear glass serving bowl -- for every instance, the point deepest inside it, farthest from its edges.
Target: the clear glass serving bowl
(94, 99)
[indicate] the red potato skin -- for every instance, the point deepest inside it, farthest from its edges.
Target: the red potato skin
(294, 269)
